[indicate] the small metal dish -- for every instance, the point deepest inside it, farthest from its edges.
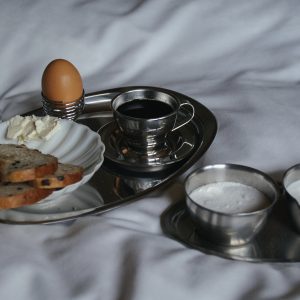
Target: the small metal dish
(278, 241)
(291, 185)
(230, 228)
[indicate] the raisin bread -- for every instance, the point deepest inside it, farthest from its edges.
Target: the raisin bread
(20, 164)
(18, 194)
(65, 174)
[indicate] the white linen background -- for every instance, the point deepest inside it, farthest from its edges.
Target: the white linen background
(239, 58)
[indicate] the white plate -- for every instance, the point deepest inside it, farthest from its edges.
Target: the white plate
(73, 143)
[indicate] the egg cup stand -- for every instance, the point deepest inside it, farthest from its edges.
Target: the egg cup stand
(278, 241)
(113, 185)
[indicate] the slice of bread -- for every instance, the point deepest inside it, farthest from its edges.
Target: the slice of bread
(65, 174)
(20, 164)
(14, 195)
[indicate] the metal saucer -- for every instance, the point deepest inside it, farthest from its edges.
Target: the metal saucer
(277, 242)
(180, 144)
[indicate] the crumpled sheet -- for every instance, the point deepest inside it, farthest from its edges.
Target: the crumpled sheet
(241, 59)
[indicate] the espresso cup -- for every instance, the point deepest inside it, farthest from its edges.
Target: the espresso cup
(146, 116)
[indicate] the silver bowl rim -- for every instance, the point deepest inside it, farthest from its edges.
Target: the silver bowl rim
(284, 176)
(235, 167)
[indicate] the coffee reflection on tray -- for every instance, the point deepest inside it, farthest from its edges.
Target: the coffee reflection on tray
(125, 186)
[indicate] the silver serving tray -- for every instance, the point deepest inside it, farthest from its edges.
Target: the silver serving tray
(277, 242)
(112, 186)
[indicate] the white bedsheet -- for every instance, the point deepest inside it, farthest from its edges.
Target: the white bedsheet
(239, 58)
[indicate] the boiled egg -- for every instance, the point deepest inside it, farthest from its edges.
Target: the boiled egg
(61, 82)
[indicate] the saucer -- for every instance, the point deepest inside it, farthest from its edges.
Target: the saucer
(277, 241)
(179, 145)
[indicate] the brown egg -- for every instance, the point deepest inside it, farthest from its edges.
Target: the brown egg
(61, 82)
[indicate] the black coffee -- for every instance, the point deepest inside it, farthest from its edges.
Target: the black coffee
(145, 109)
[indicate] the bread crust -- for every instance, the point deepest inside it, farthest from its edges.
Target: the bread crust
(28, 195)
(30, 174)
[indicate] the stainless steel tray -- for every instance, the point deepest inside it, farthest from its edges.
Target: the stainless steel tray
(277, 242)
(112, 186)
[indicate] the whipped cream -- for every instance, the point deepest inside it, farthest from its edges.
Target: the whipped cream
(32, 128)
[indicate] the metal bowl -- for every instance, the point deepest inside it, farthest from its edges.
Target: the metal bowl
(292, 175)
(230, 228)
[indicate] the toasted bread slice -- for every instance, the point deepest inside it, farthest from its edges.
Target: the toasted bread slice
(19, 194)
(19, 163)
(65, 174)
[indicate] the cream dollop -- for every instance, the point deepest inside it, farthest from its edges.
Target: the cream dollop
(32, 128)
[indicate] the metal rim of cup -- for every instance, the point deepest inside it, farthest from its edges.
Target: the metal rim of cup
(142, 94)
(247, 169)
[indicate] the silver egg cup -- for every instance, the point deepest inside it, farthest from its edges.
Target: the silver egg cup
(59, 109)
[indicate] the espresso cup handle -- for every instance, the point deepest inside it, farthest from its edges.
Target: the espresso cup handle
(186, 118)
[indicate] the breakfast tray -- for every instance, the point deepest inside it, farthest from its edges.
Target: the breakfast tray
(113, 185)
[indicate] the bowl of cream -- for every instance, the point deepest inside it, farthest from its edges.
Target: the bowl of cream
(229, 203)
